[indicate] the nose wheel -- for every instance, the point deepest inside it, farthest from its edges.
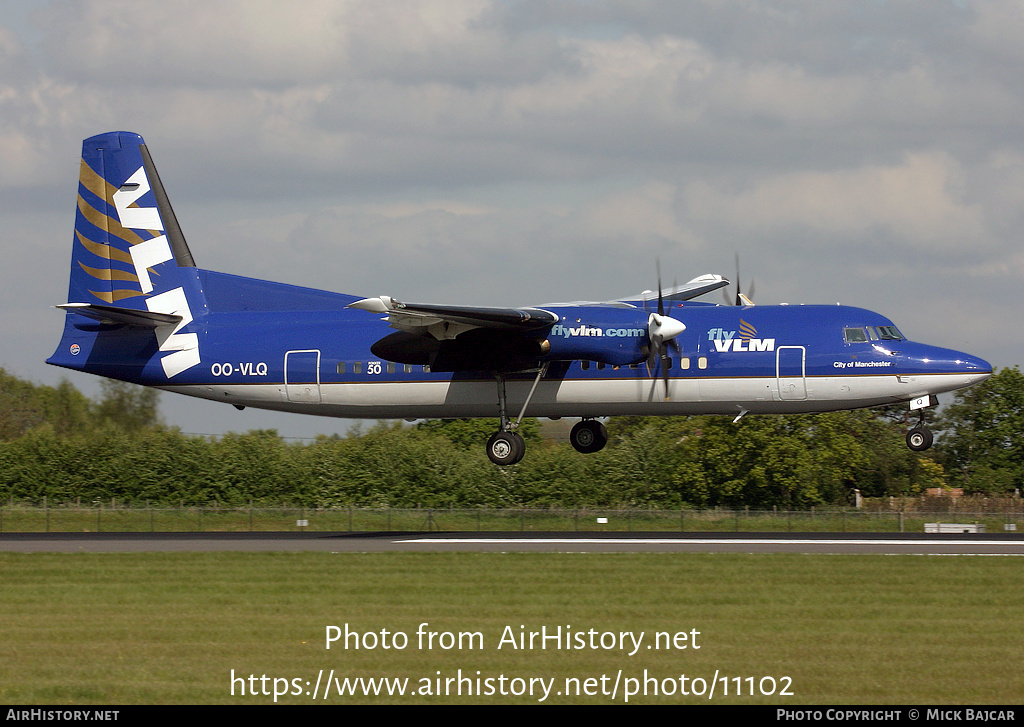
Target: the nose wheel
(919, 438)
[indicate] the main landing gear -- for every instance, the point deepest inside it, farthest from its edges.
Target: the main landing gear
(588, 436)
(506, 446)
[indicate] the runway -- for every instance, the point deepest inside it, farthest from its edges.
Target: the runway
(517, 542)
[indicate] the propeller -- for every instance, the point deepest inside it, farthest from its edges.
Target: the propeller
(661, 329)
(740, 298)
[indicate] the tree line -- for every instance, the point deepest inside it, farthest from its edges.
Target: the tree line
(58, 444)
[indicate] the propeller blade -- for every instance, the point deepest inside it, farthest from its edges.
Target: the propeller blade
(661, 302)
(661, 329)
(739, 298)
(739, 288)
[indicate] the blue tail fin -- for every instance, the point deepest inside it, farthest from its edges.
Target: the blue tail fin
(125, 225)
(132, 275)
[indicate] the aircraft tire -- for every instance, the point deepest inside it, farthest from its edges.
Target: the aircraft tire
(588, 436)
(505, 448)
(919, 439)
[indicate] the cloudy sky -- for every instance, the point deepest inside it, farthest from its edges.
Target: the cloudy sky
(509, 152)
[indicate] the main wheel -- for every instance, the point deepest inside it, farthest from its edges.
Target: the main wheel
(919, 439)
(588, 436)
(505, 448)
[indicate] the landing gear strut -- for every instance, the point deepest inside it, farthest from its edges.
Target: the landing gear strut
(588, 436)
(506, 446)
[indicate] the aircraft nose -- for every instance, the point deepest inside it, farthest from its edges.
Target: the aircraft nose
(936, 360)
(973, 363)
(971, 368)
(977, 368)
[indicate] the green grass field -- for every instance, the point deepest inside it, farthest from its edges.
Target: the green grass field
(170, 628)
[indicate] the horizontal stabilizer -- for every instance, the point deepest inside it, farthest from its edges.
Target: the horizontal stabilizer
(126, 316)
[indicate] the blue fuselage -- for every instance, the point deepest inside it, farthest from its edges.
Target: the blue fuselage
(277, 346)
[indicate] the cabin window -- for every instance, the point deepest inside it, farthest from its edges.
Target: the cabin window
(391, 368)
(357, 367)
(600, 366)
(426, 368)
(855, 335)
(585, 365)
(684, 362)
(702, 363)
(407, 368)
(341, 367)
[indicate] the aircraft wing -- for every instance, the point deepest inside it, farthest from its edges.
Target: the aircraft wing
(445, 322)
(687, 291)
(696, 287)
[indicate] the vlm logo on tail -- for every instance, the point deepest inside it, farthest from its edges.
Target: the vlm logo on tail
(726, 341)
(182, 349)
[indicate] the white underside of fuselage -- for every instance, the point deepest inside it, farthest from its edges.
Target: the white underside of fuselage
(389, 399)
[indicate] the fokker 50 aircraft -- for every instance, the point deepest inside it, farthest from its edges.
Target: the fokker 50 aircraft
(140, 310)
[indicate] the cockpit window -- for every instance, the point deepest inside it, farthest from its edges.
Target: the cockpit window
(890, 333)
(855, 335)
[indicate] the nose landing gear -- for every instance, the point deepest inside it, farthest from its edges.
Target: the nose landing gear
(919, 438)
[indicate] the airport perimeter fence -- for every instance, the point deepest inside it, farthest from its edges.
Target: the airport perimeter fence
(122, 519)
